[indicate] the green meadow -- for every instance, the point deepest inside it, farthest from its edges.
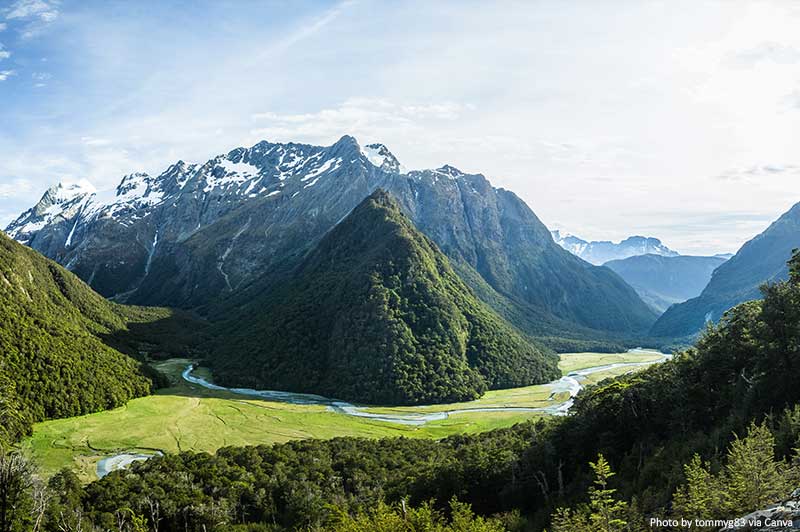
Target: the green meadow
(188, 417)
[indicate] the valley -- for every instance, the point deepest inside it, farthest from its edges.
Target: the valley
(190, 417)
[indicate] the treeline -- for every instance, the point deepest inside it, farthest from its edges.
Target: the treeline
(300, 484)
(713, 431)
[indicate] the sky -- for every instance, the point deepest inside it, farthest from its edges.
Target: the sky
(675, 119)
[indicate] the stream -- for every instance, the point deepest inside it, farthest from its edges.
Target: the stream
(571, 383)
(568, 383)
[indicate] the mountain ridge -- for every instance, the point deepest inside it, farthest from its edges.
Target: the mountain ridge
(376, 314)
(200, 234)
(761, 260)
(663, 281)
(598, 252)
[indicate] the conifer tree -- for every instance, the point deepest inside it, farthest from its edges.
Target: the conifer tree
(753, 477)
(607, 512)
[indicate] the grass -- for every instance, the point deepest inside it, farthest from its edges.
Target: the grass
(576, 361)
(188, 417)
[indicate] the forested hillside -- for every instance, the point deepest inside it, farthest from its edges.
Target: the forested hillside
(375, 313)
(56, 338)
(648, 426)
(760, 260)
(208, 236)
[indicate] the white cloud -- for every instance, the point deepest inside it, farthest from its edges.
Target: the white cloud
(593, 114)
(775, 52)
(46, 11)
(91, 141)
(15, 188)
(4, 54)
(36, 15)
(756, 173)
(365, 118)
(310, 28)
(3, 26)
(5, 74)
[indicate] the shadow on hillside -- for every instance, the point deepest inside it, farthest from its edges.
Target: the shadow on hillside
(171, 334)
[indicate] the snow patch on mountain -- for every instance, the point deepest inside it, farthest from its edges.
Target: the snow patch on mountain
(601, 251)
(243, 169)
(379, 156)
(263, 170)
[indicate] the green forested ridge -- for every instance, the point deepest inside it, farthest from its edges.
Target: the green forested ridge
(56, 336)
(696, 434)
(375, 313)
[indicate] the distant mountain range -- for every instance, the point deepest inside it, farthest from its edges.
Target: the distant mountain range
(663, 281)
(208, 236)
(599, 252)
(762, 259)
(375, 313)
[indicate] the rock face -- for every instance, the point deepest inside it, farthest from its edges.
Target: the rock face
(781, 517)
(201, 233)
(664, 281)
(761, 260)
(375, 313)
(601, 251)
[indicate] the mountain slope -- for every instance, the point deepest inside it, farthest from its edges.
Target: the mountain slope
(762, 259)
(664, 281)
(200, 234)
(51, 339)
(601, 251)
(376, 314)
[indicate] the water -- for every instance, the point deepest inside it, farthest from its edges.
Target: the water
(120, 461)
(570, 383)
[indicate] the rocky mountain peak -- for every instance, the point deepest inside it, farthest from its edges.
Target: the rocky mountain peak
(380, 156)
(601, 251)
(67, 191)
(449, 171)
(133, 183)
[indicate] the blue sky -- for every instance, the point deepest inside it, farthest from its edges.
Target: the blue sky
(676, 119)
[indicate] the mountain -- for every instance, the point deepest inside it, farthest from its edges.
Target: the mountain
(198, 235)
(652, 437)
(376, 314)
(762, 259)
(55, 336)
(602, 251)
(663, 281)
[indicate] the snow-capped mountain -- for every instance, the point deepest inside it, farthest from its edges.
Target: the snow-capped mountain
(264, 170)
(197, 234)
(602, 251)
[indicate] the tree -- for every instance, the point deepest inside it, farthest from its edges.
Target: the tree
(13, 423)
(750, 479)
(568, 520)
(753, 477)
(16, 479)
(607, 512)
(603, 514)
(702, 496)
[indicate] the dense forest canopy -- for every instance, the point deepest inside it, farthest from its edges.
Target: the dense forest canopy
(694, 434)
(64, 349)
(376, 314)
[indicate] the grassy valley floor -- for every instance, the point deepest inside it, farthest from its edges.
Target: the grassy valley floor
(190, 417)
